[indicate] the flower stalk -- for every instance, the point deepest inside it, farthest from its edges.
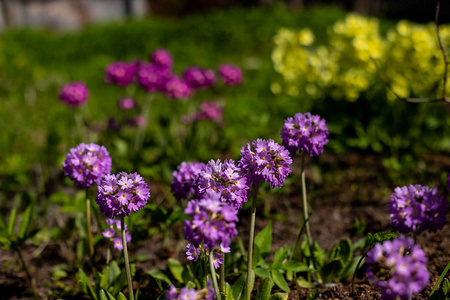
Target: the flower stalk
(125, 256)
(213, 275)
(250, 241)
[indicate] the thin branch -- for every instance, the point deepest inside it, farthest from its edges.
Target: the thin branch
(444, 54)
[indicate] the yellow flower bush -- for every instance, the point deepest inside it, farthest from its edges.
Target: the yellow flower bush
(345, 67)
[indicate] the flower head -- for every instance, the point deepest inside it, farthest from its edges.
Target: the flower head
(406, 264)
(183, 179)
(120, 194)
(191, 294)
(137, 121)
(74, 94)
(177, 88)
(162, 59)
(224, 180)
(152, 77)
(126, 103)
(208, 225)
(110, 233)
(209, 110)
(231, 75)
(198, 78)
(416, 208)
(120, 73)
(265, 161)
(305, 132)
(86, 164)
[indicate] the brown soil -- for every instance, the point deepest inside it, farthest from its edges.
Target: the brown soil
(348, 187)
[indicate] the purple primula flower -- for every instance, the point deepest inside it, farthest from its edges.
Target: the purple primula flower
(153, 78)
(305, 132)
(86, 164)
(208, 225)
(74, 94)
(137, 121)
(192, 252)
(191, 294)
(198, 78)
(210, 292)
(177, 88)
(162, 59)
(217, 260)
(416, 208)
(231, 75)
(120, 73)
(209, 110)
(265, 161)
(120, 194)
(114, 225)
(126, 103)
(224, 180)
(405, 263)
(183, 179)
(172, 293)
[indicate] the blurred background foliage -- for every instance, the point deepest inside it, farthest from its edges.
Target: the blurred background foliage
(37, 130)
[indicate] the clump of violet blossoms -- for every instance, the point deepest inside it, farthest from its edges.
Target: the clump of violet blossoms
(209, 110)
(184, 178)
(212, 227)
(120, 194)
(416, 208)
(405, 263)
(153, 78)
(305, 133)
(231, 75)
(126, 103)
(86, 164)
(198, 78)
(177, 88)
(162, 58)
(74, 94)
(110, 233)
(191, 294)
(120, 73)
(265, 161)
(224, 180)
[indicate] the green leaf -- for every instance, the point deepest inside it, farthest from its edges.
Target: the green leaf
(159, 275)
(380, 237)
(121, 296)
(228, 292)
(331, 270)
(304, 284)
(86, 286)
(264, 289)
(312, 295)
(280, 256)
(105, 295)
(263, 240)
(238, 287)
(12, 221)
(279, 296)
(176, 269)
(446, 287)
(349, 269)
(279, 280)
(26, 221)
(295, 266)
(162, 296)
(318, 254)
(114, 272)
(262, 272)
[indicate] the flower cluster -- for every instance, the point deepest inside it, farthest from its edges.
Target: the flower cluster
(86, 164)
(305, 132)
(74, 94)
(416, 208)
(224, 180)
(265, 161)
(120, 194)
(406, 264)
(110, 233)
(152, 77)
(209, 110)
(198, 78)
(126, 103)
(184, 178)
(120, 73)
(212, 226)
(162, 58)
(191, 294)
(177, 88)
(230, 75)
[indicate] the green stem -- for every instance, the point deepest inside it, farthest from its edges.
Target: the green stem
(141, 130)
(222, 274)
(441, 278)
(356, 269)
(213, 275)
(127, 262)
(27, 272)
(305, 202)
(88, 222)
(250, 241)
